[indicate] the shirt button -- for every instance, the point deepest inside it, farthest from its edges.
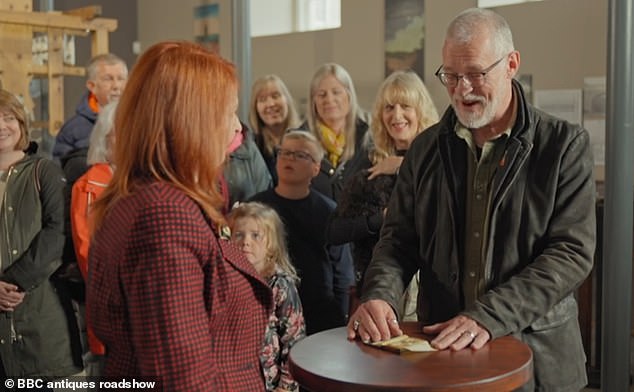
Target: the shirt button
(472, 274)
(14, 251)
(476, 234)
(478, 196)
(1, 341)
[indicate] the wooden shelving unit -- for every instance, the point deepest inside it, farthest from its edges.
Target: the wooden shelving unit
(18, 24)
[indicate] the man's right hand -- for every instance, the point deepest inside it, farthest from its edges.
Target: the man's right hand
(374, 320)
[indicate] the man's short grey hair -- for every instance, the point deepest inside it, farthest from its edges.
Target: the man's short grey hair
(465, 26)
(107, 59)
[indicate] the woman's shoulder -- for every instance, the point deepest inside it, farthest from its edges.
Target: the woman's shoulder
(159, 210)
(160, 198)
(364, 117)
(98, 175)
(99, 171)
(35, 160)
(43, 170)
(362, 125)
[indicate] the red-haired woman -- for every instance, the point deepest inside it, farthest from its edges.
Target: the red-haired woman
(170, 297)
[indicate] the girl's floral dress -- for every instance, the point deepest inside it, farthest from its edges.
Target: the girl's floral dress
(285, 328)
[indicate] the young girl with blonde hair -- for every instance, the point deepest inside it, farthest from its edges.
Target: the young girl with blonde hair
(258, 230)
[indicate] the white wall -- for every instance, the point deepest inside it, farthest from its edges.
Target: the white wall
(357, 46)
(161, 20)
(560, 41)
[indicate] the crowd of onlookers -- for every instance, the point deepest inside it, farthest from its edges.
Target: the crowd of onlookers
(168, 238)
(280, 181)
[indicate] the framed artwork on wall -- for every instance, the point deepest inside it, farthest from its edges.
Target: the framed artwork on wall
(207, 26)
(404, 36)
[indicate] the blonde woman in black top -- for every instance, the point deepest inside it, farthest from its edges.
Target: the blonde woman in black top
(403, 109)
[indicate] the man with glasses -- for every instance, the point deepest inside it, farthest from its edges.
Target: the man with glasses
(326, 271)
(495, 206)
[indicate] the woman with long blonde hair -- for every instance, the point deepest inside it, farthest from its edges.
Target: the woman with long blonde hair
(271, 113)
(403, 109)
(337, 121)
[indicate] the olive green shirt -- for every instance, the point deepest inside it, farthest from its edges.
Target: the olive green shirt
(482, 165)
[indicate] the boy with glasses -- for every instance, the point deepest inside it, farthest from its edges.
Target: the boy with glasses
(326, 271)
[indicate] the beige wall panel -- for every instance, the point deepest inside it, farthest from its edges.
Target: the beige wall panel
(561, 42)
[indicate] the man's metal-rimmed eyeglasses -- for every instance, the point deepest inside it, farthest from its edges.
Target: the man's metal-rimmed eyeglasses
(290, 154)
(473, 79)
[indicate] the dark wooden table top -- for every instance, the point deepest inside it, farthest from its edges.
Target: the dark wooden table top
(328, 361)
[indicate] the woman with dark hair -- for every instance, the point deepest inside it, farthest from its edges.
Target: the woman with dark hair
(169, 296)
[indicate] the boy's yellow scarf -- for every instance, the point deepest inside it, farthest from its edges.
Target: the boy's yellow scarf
(333, 143)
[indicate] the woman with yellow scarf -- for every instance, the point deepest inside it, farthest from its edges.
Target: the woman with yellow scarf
(335, 118)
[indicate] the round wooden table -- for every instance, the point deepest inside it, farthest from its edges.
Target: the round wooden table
(328, 361)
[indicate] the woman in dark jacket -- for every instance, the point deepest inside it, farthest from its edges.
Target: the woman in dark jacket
(334, 117)
(34, 331)
(271, 113)
(403, 108)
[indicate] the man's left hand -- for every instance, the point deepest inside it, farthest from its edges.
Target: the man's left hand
(458, 333)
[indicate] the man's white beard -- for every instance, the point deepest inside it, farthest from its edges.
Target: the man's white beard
(473, 120)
